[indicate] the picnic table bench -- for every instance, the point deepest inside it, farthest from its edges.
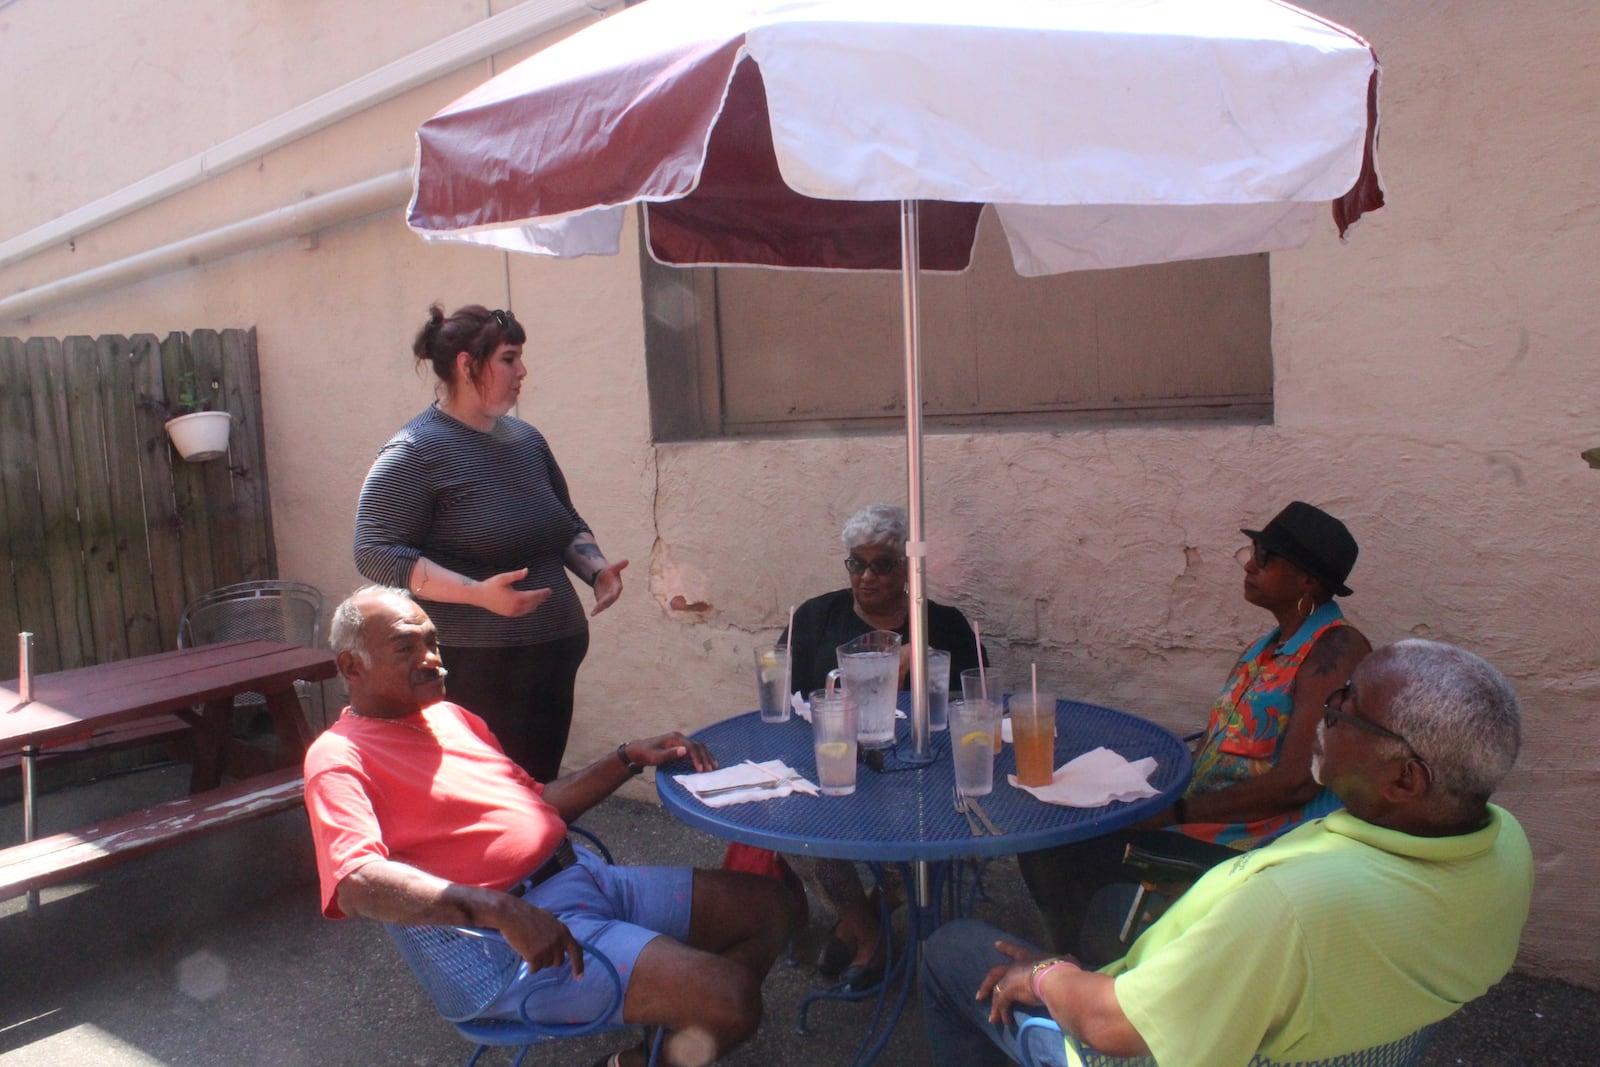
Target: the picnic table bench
(62, 857)
(190, 690)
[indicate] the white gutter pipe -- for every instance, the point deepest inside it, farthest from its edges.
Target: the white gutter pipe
(296, 220)
(527, 20)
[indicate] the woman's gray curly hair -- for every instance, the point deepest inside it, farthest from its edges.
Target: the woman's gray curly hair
(876, 524)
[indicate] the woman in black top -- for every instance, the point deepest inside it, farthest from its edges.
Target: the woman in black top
(875, 545)
(466, 507)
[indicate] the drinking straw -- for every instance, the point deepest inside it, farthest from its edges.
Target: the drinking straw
(983, 677)
(1035, 688)
(25, 668)
(788, 655)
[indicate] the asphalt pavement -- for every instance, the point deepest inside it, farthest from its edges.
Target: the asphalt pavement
(213, 954)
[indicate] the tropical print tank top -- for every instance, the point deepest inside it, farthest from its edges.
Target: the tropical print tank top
(1247, 728)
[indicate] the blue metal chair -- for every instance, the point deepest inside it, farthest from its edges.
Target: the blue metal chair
(464, 970)
(1038, 1034)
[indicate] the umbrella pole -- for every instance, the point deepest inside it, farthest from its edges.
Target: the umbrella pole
(916, 549)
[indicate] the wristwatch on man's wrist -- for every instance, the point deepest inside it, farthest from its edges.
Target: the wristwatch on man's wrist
(633, 768)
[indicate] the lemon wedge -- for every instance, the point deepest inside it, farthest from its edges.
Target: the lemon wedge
(834, 749)
(977, 737)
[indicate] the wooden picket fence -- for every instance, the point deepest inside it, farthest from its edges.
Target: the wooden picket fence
(105, 533)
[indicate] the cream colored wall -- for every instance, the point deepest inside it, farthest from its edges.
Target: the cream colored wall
(1435, 381)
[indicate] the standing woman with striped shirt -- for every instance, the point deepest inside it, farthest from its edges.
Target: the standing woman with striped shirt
(467, 508)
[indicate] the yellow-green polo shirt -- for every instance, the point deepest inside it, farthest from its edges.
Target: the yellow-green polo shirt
(1337, 937)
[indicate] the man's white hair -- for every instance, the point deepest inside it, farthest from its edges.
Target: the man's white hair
(1459, 713)
(347, 629)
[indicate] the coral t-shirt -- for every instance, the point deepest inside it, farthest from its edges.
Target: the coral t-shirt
(432, 790)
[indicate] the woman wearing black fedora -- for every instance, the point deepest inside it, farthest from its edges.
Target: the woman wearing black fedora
(1252, 764)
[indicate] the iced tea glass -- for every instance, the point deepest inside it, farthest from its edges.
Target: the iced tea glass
(1033, 736)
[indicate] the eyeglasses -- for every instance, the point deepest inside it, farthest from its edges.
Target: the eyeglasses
(502, 317)
(1255, 550)
(1333, 713)
(883, 568)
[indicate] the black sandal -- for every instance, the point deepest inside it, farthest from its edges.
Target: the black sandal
(862, 977)
(835, 957)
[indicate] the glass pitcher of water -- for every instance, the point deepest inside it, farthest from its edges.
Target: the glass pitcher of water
(869, 668)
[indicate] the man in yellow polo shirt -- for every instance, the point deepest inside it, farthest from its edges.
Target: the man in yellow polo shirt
(1350, 932)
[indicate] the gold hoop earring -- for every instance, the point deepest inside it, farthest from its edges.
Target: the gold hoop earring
(1300, 606)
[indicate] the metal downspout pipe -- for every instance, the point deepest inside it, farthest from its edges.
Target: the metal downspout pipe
(295, 220)
(511, 27)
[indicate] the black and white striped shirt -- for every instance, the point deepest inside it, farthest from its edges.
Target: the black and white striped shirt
(480, 504)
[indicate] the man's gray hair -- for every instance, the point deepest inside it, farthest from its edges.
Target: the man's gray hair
(876, 524)
(347, 629)
(1458, 712)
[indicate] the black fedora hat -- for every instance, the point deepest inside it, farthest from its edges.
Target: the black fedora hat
(1312, 540)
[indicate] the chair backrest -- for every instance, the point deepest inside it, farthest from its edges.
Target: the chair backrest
(462, 970)
(1041, 1032)
(289, 612)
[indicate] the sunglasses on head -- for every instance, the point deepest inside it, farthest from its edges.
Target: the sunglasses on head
(504, 318)
(883, 568)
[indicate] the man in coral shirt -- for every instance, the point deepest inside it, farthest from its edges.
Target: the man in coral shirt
(419, 818)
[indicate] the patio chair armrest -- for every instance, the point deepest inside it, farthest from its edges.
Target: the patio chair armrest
(1037, 1028)
(1166, 858)
(594, 840)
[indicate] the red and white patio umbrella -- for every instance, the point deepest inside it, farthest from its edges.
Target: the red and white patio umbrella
(869, 134)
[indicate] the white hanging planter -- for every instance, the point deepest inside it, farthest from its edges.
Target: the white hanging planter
(200, 436)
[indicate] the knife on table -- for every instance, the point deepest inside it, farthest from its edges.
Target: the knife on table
(988, 823)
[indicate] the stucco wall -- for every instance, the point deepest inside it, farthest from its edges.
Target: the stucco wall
(1435, 381)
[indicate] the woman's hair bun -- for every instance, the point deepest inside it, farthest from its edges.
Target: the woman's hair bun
(428, 336)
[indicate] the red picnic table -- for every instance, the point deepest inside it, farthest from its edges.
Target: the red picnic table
(190, 692)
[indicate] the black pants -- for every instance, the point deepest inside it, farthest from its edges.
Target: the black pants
(524, 693)
(1062, 881)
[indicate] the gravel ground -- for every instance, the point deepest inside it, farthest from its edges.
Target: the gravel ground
(213, 953)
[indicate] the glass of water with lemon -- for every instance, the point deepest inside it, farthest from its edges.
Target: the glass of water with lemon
(772, 677)
(973, 725)
(833, 733)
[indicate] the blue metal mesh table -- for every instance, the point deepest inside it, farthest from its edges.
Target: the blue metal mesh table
(903, 814)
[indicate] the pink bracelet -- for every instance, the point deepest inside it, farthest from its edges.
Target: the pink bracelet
(1040, 969)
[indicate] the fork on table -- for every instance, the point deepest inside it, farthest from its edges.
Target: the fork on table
(961, 806)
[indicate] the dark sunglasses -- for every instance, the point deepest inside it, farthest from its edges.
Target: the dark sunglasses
(1333, 714)
(883, 568)
(504, 318)
(1255, 550)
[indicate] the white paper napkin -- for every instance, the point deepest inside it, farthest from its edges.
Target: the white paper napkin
(1096, 778)
(747, 773)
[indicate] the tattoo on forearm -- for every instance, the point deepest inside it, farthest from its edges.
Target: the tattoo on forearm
(588, 550)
